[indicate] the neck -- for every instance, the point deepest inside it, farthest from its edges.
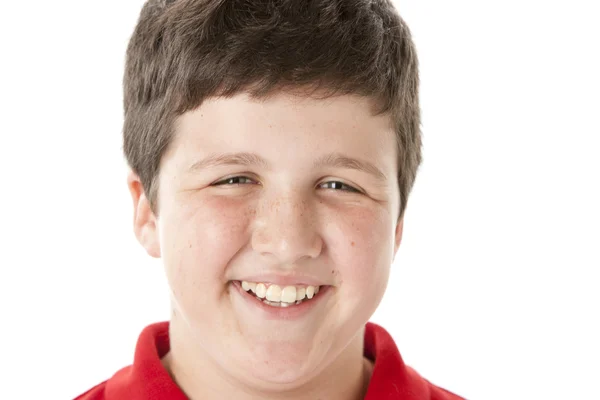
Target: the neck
(346, 378)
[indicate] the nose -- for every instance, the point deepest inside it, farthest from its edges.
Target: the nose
(286, 229)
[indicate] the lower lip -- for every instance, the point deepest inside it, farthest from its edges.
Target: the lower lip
(283, 313)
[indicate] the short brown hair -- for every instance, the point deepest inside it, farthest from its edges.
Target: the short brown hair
(185, 51)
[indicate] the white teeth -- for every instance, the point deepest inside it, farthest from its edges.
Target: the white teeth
(276, 304)
(288, 294)
(274, 293)
(261, 290)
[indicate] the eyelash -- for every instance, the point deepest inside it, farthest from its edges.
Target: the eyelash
(224, 182)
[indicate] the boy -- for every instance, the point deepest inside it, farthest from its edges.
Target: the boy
(272, 146)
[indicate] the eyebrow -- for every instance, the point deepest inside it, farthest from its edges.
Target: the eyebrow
(335, 160)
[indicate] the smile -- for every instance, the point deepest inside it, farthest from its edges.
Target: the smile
(277, 296)
(277, 302)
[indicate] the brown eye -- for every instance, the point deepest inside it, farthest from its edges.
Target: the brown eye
(337, 185)
(234, 180)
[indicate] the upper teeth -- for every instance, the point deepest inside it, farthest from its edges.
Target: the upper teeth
(287, 294)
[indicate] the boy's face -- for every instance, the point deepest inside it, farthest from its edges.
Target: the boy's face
(282, 220)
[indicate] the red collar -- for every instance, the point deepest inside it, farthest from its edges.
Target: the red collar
(147, 379)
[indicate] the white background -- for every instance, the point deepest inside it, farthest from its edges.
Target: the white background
(494, 293)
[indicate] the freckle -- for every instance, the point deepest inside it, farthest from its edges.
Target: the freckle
(333, 271)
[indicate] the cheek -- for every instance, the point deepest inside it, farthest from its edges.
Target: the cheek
(200, 239)
(365, 251)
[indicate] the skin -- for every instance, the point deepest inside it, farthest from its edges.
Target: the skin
(285, 217)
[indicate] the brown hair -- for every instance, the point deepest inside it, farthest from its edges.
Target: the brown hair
(185, 51)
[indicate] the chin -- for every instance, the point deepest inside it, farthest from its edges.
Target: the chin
(288, 374)
(283, 368)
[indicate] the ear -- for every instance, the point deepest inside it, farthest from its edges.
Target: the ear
(398, 235)
(144, 220)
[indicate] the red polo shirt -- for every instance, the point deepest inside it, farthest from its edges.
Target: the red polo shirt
(147, 379)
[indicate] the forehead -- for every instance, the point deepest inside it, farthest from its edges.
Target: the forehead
(286, 126)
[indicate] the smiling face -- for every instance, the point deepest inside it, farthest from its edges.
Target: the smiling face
(288, 191)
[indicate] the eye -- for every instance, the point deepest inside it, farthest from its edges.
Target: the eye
(241, 180)
(337, 185)
(234, 180)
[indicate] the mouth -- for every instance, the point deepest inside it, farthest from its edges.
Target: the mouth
(278, 296)
(276, 302)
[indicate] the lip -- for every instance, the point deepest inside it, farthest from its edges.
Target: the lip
(282, 313)
(282, 281)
